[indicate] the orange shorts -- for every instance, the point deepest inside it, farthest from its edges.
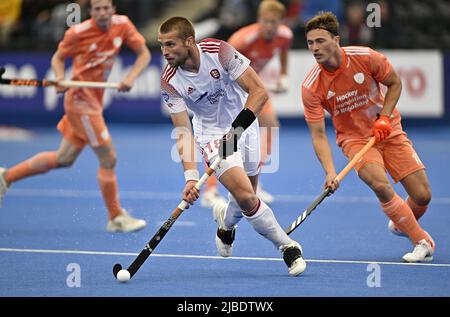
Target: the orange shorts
(396, 155)
(80, 129)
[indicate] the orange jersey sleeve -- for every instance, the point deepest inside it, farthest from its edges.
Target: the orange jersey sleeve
(380, 66)
(312, 104)
(68, 46)
(133, 39)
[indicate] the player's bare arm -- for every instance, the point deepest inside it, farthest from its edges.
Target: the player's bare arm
(257, 94)
(324, 153)
(382, 126)
(186, 150)
(143, 57)
(58, 66)
(394, 89)
(282, 83)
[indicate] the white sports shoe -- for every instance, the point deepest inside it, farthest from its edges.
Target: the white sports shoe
(125, 223)
(292, 255)
(394, 230)
(211, 197)
(423, 252)
(224, 237)
(3, 185)
(263, 195)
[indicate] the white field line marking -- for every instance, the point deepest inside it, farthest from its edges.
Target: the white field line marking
(209, 257)
(64, 193)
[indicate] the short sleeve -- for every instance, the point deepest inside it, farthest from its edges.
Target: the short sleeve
(68, 46)
(232, 61)
(133, 39)
(380, 66)
(171, 98)
(314, 111)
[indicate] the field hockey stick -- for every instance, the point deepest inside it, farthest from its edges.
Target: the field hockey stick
(48, 83)
(327, 191)
(156, 239)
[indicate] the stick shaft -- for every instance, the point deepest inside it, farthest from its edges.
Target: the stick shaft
(64, 83)
(326, 192)
(156, 239)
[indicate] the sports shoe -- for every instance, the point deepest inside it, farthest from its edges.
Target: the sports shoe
(3, 185)
(224, 237)
(394, 230)
(125, 223)
(263, 195)
(423, 252)
(292, 256)
(211, 197)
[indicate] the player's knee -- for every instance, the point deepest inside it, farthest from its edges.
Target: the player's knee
(108, 162)
(246, 200)
(423, 197)
(64, 162)
(382, 189)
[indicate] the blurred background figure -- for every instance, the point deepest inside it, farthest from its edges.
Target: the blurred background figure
(354, 30)
(10, 11)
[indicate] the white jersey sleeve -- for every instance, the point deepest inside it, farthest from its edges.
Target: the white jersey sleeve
(232, 61)
(171, 98)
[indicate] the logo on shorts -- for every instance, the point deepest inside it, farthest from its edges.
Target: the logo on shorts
(359, 78)
(190, 90)
(215, 73)
(165, 96)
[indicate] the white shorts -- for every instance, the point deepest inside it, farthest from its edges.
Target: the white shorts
(248, 155)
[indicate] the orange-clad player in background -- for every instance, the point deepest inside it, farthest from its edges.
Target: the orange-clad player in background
(261, 42)
(93, 46)
(346, 83)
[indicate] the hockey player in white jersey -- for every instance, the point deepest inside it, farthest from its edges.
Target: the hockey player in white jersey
(224, 93)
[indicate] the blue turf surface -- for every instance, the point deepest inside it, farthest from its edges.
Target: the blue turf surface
(63, 211)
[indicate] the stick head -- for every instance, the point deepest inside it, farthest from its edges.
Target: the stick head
(116, 269)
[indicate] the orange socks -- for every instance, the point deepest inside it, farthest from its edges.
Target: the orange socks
(108, 185)
(38, 164)
(418, 211)
(400, 213)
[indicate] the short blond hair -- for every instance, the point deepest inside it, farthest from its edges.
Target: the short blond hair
(325, 21)
(182, 25)
(272, 6)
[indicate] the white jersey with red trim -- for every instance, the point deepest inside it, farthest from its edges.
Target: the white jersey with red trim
(212, 94)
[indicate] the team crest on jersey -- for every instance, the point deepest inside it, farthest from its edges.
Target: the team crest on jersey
(215, 73)
(359, 78)
(117, 42)
(190, 90)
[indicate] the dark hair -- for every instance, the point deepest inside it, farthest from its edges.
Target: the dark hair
(182, 25)
(89, 5)
(323, 20)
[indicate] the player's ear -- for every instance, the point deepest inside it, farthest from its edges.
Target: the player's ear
(337, 39)
(190, 41)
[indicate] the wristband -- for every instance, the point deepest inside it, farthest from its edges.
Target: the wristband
(191, 175)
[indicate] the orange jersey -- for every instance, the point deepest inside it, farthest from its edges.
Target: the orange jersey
(351, 94)
(93, 51)
(252, 45)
